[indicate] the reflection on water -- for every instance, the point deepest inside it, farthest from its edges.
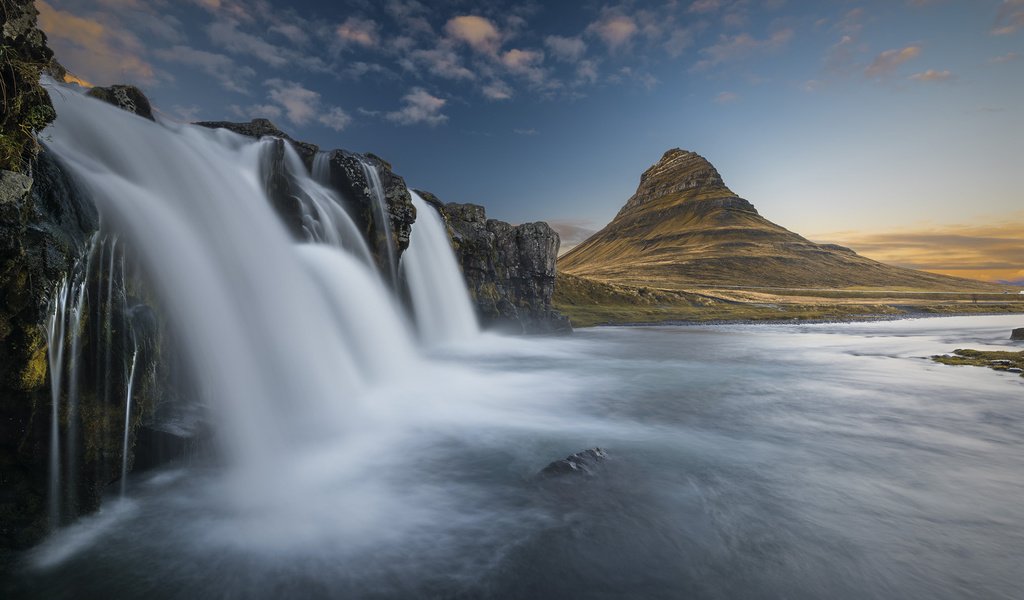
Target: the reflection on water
(814, 461)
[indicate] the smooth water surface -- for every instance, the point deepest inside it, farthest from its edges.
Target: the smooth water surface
(813, 461)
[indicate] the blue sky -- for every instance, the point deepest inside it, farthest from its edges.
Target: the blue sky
(893, 126)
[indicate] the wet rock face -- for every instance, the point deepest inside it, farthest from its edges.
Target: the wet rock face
(348, 177)
(581, 463)
(42, 230)
(510, 270)
(125, 97)
(682, 171)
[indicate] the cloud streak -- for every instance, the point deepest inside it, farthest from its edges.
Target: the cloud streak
(887, 62)
(978, 252)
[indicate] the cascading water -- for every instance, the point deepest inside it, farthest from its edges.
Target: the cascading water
(321, 167)
(254, 310)
(55, 343)
(324, 219)
(439, 297)
(381, 219)
(324, 413)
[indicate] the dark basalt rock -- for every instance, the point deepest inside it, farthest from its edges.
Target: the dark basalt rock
(347, 176)
(581, 463)
(259, 128)
(510, 270)
(125, 97)
(26, 105)
(1017, 334)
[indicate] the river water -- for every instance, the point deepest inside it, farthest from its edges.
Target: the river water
(745, 461)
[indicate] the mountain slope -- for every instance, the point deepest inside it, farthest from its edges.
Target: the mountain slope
(684, 228)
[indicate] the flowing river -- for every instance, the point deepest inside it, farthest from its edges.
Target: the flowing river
(744, 461)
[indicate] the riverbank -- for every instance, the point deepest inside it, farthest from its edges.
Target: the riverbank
(590, 303)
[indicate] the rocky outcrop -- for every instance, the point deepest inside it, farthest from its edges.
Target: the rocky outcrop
(259, 128)
(681, 171)
(581, 463)
(510, 270)
(125, 97)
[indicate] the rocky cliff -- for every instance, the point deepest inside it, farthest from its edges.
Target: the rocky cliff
(684, 228)
(510, 269)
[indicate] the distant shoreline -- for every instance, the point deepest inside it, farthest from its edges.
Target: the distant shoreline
(798, 321)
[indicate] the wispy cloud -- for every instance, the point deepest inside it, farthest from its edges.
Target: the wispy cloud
(358, 31)
(931, 75)
(615, 30)
(478, 33)
(419, 106)
(100, 51)
(566, 49)
(302, 105)
(887, 62)
(572, 232)
(1010, 18)
(736, 47)
(726, 97)
(1004, 58)
(229, 75)
(978, 252)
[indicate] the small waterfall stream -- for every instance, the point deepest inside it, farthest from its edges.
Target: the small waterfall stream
(381, 219)
(55, 342)
(439, 297)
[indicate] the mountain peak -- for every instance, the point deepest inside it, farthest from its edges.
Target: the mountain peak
(679, 171)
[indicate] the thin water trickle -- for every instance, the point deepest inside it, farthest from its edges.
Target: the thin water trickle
(125, 449)
(55, 354)
(381, 217)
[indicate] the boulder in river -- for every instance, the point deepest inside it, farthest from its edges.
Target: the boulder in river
(582, 462)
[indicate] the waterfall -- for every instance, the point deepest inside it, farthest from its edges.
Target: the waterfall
(322, 168)
(381, 218)
(55, 354)
(284, 339)
(324, 219)
(128, 414)
(440, 301)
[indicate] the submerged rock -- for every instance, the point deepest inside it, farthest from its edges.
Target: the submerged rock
(1017, 334)
(510, 269)
(583, 462)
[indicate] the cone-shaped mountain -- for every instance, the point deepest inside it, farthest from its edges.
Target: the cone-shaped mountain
(685, 228)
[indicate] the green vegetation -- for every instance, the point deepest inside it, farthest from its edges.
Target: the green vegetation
(27, 108)
(588, 302)
(993, 359)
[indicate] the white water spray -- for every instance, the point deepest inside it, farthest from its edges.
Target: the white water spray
(251, 313)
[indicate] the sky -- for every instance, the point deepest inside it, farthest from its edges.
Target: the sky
(895, 127)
